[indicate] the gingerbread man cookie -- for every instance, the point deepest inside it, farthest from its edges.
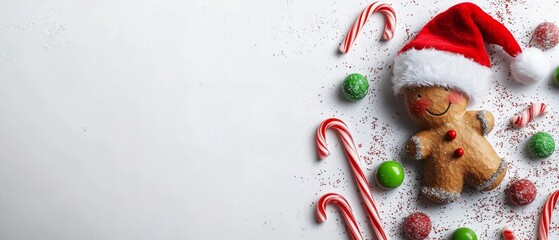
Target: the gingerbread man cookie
(453, 145)
(439, 72)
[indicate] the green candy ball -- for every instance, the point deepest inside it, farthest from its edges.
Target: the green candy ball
(390, 174)
(355, 86)
(464, 233)
(556, 76)
(541, 145)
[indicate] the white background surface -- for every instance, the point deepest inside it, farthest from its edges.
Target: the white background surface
(196, 120)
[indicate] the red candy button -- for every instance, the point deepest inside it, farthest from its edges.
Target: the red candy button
(451, 135)
(458, 153)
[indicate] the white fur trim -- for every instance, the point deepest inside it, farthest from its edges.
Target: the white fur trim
(530, 66)
(431, 67)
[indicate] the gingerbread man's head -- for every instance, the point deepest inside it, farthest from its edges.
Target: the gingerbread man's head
(434, 106)
(450, 52)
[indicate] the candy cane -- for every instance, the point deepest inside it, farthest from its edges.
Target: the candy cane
(535, 109)
(508, 234)
(353, 157)
(545, 219)
(347, 213)
(389, 17)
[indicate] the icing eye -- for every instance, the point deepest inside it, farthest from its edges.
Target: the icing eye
(446, 89)
(418, 95)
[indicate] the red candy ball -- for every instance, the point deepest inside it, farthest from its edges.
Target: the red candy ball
(417, 226)
(458, 153)
(546, 35)
(522, 192)
(451, 135)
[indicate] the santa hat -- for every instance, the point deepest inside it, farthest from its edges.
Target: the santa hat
(450, 52)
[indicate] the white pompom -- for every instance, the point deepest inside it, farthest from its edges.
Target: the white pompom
(530, 66)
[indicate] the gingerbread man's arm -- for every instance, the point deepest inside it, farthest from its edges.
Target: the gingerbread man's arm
(482, 120)
(418, 147)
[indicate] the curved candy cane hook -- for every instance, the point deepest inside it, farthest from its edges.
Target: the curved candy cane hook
(344, 206)
(390, 25)
(353, 157)
(545, 218)
(523, 118)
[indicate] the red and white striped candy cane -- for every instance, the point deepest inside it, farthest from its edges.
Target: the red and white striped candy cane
(535, 109)
(353, 157)
(344, 206)
(389, 26)
(508, 234)
(545, 219)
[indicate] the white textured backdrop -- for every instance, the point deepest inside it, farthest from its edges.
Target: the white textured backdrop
(196, 119)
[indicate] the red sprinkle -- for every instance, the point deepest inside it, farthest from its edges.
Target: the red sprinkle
(458, 153)
(417, 226)
(522, 192)
(451, 135)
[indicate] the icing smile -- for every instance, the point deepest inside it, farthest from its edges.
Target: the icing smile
(439, 114)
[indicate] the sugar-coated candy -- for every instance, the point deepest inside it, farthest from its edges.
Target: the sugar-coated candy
(541, 145)
(522, 192)
(355, 86)
(417, 226)
(546, 35)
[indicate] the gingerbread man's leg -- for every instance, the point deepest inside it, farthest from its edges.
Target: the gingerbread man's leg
(443, 182)
(486, 175)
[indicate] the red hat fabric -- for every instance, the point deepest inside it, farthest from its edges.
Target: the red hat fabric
(450, 52)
